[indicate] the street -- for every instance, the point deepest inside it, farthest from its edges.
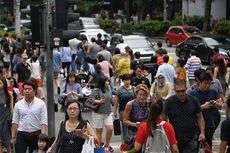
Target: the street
(116, 140)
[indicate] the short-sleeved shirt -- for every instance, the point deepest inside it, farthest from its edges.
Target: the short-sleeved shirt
(124, 64)
(142, 133)
(106, 54)
(125, 95)
(23, 72)
(203, 97)
(56, 61)
(225, 132)
(216, 85)
(193, 63)
(182, 116)
(143, 80)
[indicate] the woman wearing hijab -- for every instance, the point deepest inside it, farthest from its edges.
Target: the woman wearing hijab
(160, 89)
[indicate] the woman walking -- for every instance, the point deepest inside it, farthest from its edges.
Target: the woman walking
(6, 111)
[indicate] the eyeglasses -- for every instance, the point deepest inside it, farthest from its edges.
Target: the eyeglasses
(178, 91)
(72, 109)
(142, 95)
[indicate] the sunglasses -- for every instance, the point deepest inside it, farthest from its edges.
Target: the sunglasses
(179, 91)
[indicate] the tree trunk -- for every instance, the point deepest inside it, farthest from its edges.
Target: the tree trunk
(207, 15)
(142, 9)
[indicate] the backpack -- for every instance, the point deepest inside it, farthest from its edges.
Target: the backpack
(159, 142)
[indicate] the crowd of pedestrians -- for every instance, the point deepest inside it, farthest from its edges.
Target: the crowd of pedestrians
(120, 87)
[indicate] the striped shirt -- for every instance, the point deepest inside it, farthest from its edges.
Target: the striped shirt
(193, 63)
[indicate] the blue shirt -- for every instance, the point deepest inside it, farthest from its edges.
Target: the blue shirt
(66, 54)
(203, 97)
(56, 61)
(81, 55)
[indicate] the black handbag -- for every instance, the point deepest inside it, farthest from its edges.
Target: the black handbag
(61, 99)
(117, 127)
(59, 145)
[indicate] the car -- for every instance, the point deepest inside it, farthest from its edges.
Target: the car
(204, 47)
(138, 43)
(92, 33)
(88, 23)
(177, 34)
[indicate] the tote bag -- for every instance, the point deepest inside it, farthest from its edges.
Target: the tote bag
(88, 146)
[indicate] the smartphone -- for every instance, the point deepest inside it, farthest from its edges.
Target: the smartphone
(212, 101)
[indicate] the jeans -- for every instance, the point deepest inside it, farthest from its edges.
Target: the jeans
(208, 135)
(188, 147)
(124, 131)
(23, 141)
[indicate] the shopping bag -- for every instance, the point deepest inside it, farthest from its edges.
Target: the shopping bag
(99, 150)
(88, 146)
(117, 127)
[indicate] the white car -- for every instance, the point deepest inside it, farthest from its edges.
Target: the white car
(138, 43)
(92, 33)
(88, 23)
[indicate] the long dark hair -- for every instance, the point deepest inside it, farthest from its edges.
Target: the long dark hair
(101, 83)
(154, 114)
(6, 91)
(72, 101)
(221, 64)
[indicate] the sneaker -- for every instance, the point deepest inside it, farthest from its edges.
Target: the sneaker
(111, 149)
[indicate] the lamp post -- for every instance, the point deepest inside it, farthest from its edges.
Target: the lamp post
(17, 18)
(165, 10)
(49, 70)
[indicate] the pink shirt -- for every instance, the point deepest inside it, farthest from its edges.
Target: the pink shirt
(105, 68)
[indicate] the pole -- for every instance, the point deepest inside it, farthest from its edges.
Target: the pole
(17, 19)
(49, 73)
(165, 10)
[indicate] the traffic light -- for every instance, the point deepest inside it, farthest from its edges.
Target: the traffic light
(36, 25)
(64, 14)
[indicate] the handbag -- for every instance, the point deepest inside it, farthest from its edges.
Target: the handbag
(61, 99)
(117, 127)
(88, 146)
(204, 147)
(91, 105)
(59, 139)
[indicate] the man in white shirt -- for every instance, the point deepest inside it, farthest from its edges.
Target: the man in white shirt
(29, 119)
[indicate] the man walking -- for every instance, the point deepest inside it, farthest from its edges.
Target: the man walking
(29, 119)
(167, 70)
(193, 63)
(209, 102)
(184, 112)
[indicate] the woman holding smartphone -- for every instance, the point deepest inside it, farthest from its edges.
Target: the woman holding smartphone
(103, 116)
(73, 131)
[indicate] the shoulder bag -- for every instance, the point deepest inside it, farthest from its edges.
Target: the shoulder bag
(59, 139)
(61, 99)
(89, 103)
